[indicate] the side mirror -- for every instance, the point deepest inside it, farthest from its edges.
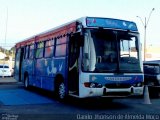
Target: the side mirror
(78, 38)
(79, 28)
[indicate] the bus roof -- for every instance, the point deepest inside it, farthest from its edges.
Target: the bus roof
(87, 22)
(50, 34)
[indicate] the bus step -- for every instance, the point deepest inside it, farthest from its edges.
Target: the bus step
(73, 93)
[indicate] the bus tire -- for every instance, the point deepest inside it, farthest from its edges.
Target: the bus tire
(26, 82)
(60, 88)
(60, 91)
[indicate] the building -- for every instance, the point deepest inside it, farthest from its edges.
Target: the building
(152, 53)
(2, 55)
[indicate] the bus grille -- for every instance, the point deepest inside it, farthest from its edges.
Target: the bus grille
(117, 94)
(114, 86)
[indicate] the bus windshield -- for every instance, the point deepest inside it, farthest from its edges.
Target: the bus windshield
(110, 51)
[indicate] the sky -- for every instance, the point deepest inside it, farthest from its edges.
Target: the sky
(21, 19)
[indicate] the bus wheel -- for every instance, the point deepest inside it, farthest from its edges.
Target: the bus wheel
(26, 81)
(61, 91)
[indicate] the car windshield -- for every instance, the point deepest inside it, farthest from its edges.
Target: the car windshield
(4, 66)
(110, 51)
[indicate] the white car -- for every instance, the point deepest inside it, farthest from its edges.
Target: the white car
(5, 70)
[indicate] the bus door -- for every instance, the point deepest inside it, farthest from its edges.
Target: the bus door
(73, 76)
(20, 59)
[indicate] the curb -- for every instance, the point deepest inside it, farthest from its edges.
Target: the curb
(8, 82)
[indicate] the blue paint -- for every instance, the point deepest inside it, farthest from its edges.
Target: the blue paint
(45, 70)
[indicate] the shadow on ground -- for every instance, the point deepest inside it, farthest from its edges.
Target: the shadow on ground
(85, 103)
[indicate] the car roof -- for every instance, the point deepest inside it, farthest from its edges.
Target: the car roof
(4, 65)
(154, 62)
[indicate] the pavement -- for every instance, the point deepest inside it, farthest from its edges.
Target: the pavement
(12, 93)
(22, 97)
(7, 80)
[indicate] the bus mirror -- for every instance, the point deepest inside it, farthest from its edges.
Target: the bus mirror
(78, 37)
(136, 44)
(80, 28)
(81, 40)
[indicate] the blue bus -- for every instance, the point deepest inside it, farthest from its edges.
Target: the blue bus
(88, 57)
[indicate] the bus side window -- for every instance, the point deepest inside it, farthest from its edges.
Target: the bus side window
(31, 51)
(61, 47)
(49, 48)
(60, 50)
(26, 52)
(39, 50)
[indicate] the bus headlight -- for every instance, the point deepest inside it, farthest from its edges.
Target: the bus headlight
(140, 84)
(99, 85)
(92, 85)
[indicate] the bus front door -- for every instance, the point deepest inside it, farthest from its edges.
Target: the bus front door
(73, 78)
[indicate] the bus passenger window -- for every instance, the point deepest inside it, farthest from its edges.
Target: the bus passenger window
(49, 48)
(31, 51)
(61, 40)
(60, 50)
(39, 50)
(26, 52)
(49, 51)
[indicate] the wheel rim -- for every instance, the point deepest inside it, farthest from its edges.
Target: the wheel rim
(61, 91)
(26, 82)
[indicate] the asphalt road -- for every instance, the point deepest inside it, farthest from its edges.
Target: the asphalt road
(17, 103)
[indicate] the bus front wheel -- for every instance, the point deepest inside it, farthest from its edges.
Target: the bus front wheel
(61, 91)
(26, 82)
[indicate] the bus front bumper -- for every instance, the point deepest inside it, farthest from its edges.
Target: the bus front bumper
(108, 92)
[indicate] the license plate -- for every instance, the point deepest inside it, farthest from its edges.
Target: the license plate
(138, 91)
(3, 70)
